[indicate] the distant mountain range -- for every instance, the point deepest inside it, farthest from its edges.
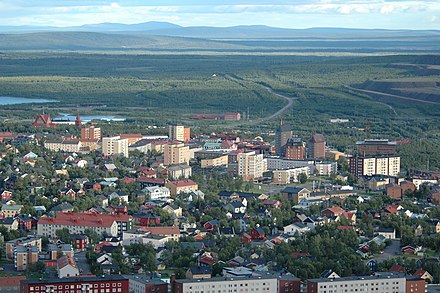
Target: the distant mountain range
(168, 36)
(251, 31)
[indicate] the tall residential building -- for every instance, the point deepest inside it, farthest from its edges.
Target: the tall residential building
(294, 149)
(115, 146)
(282, 135)
(380, 282)
(179, 132)
(376, 147)
(316, 148)
(379, 165)
(90, 133)
(251, 166)
(176, 153)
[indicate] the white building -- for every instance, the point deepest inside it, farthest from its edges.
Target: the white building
(250, 165)
(157, 193)
(327, 168)
(276, 163)
(66, 267)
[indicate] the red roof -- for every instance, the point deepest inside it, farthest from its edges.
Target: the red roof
(345, 227)
(419, 273)
(395, 268)
(299, 254)
(11, 281)
(64, 261)
(182, 183)
(84, 219)
(170, 230)
(392, 209)
(151, 180)
(129, 135)
(335, 210)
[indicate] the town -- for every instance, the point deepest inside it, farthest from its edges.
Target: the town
(212, 212)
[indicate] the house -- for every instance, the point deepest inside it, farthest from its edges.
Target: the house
(396, 268)
(11, 224)
(62, 208)
(211, 225)
(334, 211)
(6, 195)
(122, 196)
(296, 194)
(388, 233)
(271, 203)
(296, 228)
(24, 222)
(11, 210)
(92, 186)
(181, 186)
(258, 233)
(80, 241)
(69, 192)
(329, 274)
(172, 232)
(66, 267)
(30, 155)
(157, 193)
(409, 249)
(425, 275)
(199, 272)
(173, 210)
(236, 207)
(350, 216)
(146, 219)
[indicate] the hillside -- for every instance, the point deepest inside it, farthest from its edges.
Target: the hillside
(96, 41)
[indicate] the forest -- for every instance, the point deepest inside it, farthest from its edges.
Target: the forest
(155, 89)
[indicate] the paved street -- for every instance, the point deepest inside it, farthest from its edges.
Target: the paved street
(389, 252)
(81, 261)
(433, 289)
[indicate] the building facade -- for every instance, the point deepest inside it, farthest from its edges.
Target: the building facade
(251, 166)
(379, 165)
(282, 135)
(115, 146)
(373, 147)
(106, 284)
(316, 147)
(90, 133)
(290, 175)
(176, 154)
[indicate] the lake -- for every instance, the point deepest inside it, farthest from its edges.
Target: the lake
(67, 117)
(15, 101)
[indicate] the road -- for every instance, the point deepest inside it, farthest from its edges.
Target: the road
(270, 91)
(390, 95)
(81, 262)
(389, 252)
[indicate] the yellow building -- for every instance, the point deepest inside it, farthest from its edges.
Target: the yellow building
(251, 166)
(115, 146)
(179, 132)
(181, 186)
(214, 162)
(11, 210)
(176, 154)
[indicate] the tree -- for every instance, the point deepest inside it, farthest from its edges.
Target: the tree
(302, 178)
(64, 235)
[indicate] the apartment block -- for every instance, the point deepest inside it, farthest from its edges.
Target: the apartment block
(326, 168)
(379, 165)
(115, 146)
(90, 133)
(290, 175)
(63, 145)
(105, 284)
(316, 148)
(179, 132)
(220, 161)
(146, 284)
(25, 256)
(27, 241)
(380, 282)
(264, 282)
(77, 223)
(176, 153)
(251, 166)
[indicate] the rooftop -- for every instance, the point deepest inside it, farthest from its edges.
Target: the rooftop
(75, 280)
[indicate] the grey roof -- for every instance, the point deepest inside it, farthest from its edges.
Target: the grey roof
(263, 275)
(75, 280)
(377, 276)
(62, 207)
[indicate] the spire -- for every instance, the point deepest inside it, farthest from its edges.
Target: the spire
(78, 122)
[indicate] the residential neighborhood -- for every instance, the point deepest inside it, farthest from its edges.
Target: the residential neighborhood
(207, 212)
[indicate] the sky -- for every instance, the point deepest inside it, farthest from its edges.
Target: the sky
(382, 14)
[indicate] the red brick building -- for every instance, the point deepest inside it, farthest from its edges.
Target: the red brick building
(43, 120)
(107, 284)
(316, 146)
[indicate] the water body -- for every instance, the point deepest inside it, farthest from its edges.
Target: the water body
(15, 101)
(67, 117)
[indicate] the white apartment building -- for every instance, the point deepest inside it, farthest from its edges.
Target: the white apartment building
(290, 175)
(251, 166)
(157, 192)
